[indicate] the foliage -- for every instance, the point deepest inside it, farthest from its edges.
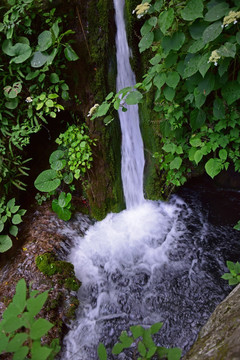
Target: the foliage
(10, 218)
(193, 75)
(20, 331)
(34, 45)
(144, 346)
(234, 276)
(237, 226)
(70, 161)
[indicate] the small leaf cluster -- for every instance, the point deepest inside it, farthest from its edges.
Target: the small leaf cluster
(10, 218)
(233, 276)
(70, 162)
(142, 343)
(20, 331)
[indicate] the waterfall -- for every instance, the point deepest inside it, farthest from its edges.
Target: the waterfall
(153, 261)
(132, 144)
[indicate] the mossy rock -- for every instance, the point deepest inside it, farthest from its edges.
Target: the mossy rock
(49, 266)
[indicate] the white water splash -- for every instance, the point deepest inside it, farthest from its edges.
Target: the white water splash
(132, 144)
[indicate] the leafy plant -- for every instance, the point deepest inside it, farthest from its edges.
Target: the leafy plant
(10, 218)
(20, 331)
(234, 276)
(70, 161)
(143, 344)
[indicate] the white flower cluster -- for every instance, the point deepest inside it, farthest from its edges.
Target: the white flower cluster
(232, 17)
(92, 110)
(29, 99)
(141, 9)
(214, 57)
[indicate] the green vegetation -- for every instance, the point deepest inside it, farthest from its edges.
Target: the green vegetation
(144, 346)
(35, 46)
(49, 266)
(21, 332)
(193, 73)
(233, 276)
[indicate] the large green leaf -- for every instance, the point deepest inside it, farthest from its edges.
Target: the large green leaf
(47, 181)
(212, 32)
(193, 10)
(197, 119)
(197, 28)
(196, 46)
(146, 41)
(39, 59)
(203, 64)
(169, 93)
(20, 51)
(45, 40)
(174, 42)
(206, 85)
(20, 296)
(102, 353)
(35, 304)
(231, 92)
(218, 109)
(217, 12)
(191, 65)
(173, 79)
(176, 163)
(213, 167)
(134, 97)
(40, 328)
(165, 20)
(227, 50)
(5, 243)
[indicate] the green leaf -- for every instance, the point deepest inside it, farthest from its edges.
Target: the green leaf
(32, 75)
(102, 109)
(212, 32)
(52, 56)
(70, 53)
(227, 50)
(5, 243)
(223, 154)
(217, 12)
(137, 331)
(146, 42)
(173, 79)
(20, 296)
(21, 353)
(196, 46)
(68, 178)
(200, 98)
(54, 78)
(231, 92)
(16, 342)
(47, 181)
(12, 104)
(237, 226)
(165, 20)
(151, 352)
(45, 40)
(176, 163)
(12, 324)
(213, 167)
(191, 65)
(35, 304)
(133, 98)
(159, 80)
(146, 28)
(55, 29)
(203, 64)
(156, 327)
(117, 349)
(174, 354)
(141, 348)
(40, 328)
(169, 147)
(56, 155)
(226, 276)
(238, 37)
(169, 93)
(197, 28)
(193, 10)
(198, 156)
(102, 353)
(63, 213)
(40, 352)
(197, 119)
(206, 85)
(39, 59)
(108, 119)
(218, 109)
(16, 219)
(3, 341)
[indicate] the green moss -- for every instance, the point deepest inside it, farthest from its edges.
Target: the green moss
(74, 303)
(49, 266)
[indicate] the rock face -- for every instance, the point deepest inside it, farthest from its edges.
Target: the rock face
(219, 338)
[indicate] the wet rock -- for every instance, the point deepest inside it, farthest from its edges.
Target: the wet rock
(39, 235)
(219, 338)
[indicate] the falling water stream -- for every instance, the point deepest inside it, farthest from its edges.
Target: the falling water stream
(152, 262)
